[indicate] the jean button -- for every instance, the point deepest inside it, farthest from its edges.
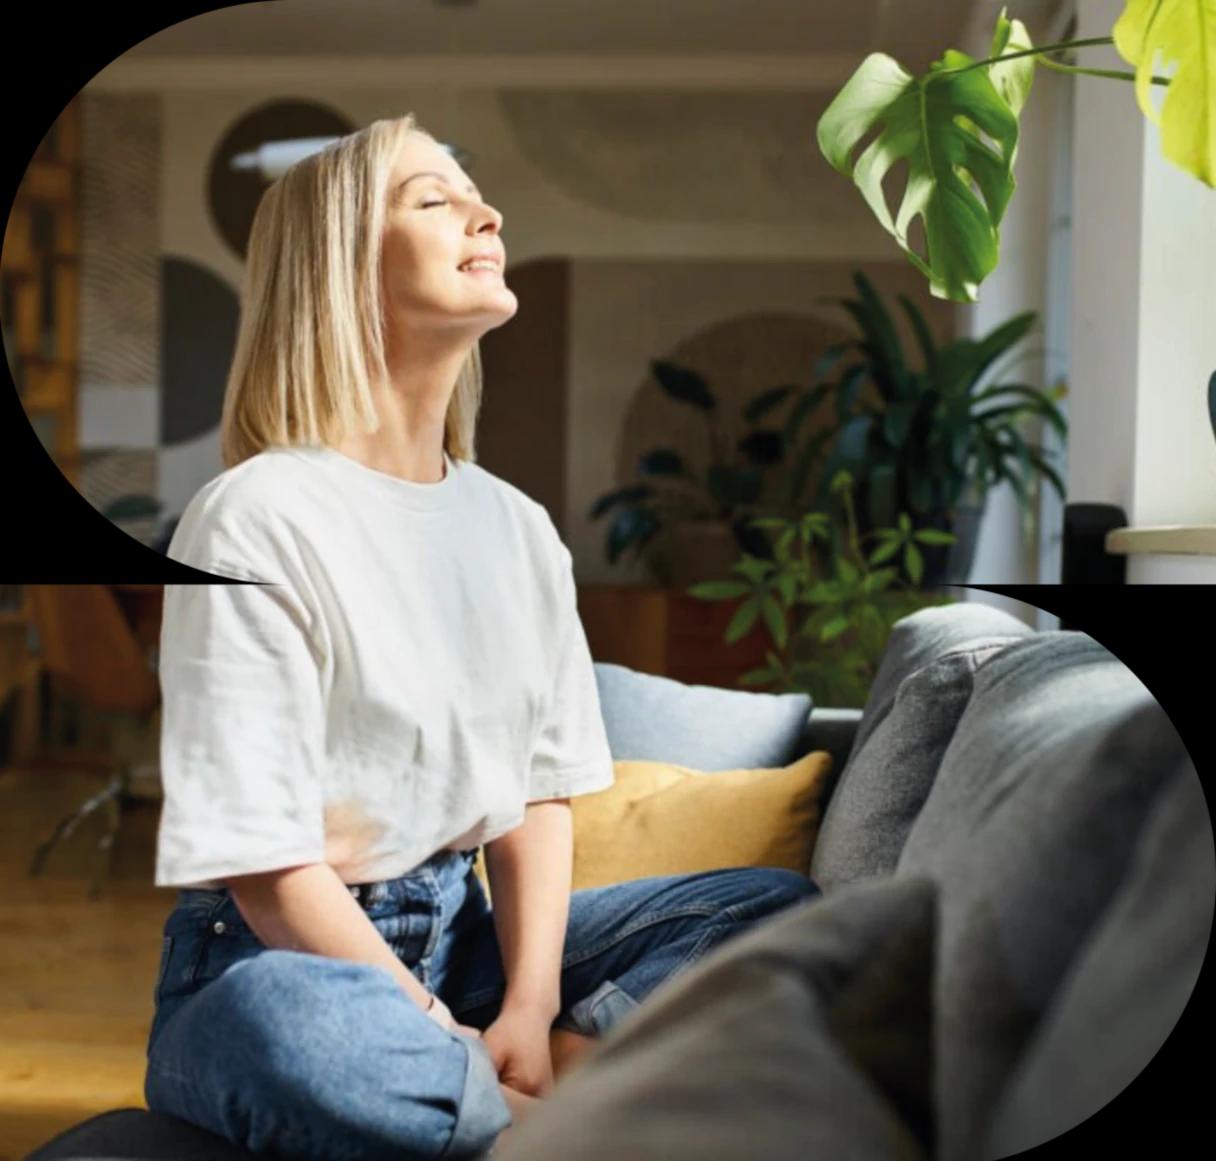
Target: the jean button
(220, 927)
(356, 892)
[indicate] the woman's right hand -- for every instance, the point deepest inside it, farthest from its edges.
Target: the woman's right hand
(441, 1014)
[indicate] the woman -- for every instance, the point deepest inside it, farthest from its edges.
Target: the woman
(405, 681)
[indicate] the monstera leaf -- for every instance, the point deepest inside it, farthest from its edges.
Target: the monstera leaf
(1183, 32)
(1012, 78)
(934, 123)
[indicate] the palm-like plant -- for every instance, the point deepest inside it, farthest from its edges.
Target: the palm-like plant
(922, 440)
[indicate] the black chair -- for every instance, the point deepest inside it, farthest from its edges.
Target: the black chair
(91, 653)
(140, 1135)
(1085, 559)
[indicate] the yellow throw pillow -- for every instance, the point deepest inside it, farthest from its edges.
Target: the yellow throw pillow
(662, 819)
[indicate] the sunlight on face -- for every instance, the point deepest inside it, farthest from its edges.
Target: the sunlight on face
(436, 219)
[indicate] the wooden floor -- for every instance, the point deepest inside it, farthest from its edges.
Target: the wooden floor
(76, 974)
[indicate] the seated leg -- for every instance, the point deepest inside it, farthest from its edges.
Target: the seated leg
(623, 941)
(566, 1048)
(627, 939)
(314, 1057)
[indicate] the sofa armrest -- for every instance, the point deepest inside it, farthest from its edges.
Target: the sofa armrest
(833, 730)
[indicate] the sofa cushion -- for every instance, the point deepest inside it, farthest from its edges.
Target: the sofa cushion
(807, 1036)
(1028, 829)
(1127, 988)
(658, 719)
(924, 636)
(899, 741)
(658, 818)
(661, 819)
(139, 1135)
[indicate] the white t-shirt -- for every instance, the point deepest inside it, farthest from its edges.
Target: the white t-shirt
(411, 676)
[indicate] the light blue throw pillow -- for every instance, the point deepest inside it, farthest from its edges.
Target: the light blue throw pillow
(659, 719)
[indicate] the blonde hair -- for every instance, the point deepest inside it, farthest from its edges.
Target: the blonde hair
(312, 326)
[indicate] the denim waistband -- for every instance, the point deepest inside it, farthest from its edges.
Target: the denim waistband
(442, 869)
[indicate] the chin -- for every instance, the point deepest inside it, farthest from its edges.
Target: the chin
(510, 305)
(500, 320)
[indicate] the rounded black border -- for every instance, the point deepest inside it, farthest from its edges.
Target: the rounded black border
(1163, 633)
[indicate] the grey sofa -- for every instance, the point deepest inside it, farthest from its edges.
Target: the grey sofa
(1018, 879)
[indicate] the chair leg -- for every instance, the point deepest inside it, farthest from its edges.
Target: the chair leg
(67, 826)
(105, 847)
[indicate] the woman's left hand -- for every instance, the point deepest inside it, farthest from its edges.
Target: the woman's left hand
(519, 1046)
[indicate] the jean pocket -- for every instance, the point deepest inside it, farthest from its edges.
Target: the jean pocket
(223, 944)
(178, 960)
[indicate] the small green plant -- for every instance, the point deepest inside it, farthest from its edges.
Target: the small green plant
(828, 612)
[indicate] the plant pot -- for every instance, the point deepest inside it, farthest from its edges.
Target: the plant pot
(700, 550)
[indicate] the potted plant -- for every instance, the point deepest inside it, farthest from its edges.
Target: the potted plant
(706, 514)
(957, 127)
(930, 441)
(829, 613)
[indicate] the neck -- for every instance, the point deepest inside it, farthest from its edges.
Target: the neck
(413, 406)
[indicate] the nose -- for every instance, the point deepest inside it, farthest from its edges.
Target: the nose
(486, 215)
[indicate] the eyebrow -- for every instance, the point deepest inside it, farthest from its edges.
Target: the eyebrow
(433, 173)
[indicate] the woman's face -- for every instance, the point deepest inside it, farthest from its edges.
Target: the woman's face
(434, 222)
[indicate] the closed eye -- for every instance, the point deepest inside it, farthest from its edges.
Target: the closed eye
(427, 205)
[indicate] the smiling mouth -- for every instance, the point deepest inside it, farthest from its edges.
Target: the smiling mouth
(492, 268)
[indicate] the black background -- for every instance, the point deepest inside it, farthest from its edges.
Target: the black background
(53, 535)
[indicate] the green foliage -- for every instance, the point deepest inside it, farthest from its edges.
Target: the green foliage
(923, 436)
(957, 128)
(732, 486)
(934, 123)
(828, 611)
(1183, 32)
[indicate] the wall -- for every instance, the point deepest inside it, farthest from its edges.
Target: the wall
(1015, 546)
(1175, 479)
(1144, 332)
(1008, 547)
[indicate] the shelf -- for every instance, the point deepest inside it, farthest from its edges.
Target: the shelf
(1167, 539)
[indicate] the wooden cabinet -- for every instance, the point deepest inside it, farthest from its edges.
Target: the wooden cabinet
(667, 632)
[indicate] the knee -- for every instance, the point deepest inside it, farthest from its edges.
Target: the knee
(269, 995)
(287, 1044)
(771, 889)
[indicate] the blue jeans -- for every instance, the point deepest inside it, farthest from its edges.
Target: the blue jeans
(325, 1059)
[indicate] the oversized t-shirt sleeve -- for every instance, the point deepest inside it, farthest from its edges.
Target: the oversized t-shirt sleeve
(242, 726)
(571, 755)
